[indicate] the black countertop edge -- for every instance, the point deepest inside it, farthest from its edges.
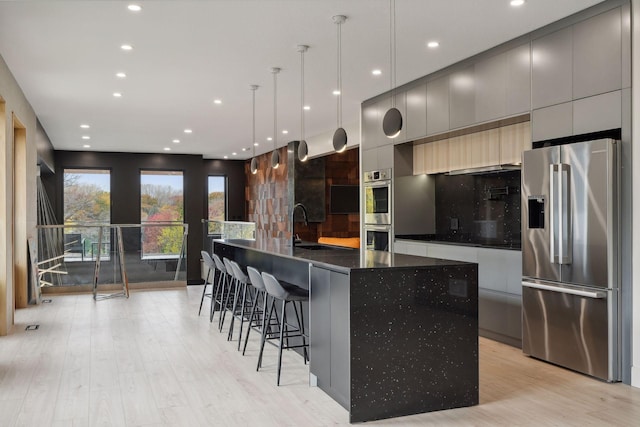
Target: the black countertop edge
(343, 260)
(507, 247)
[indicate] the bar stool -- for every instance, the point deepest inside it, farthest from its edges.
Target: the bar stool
(288, 294)
(218, 297)
(211, 268)
(242, 300)
(229, 291)
(257, 316)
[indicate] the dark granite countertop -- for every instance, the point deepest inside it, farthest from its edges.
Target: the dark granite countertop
(337, 258)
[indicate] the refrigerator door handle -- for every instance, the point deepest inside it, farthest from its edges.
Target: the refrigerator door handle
(564, 219)
(553, 213)
(577, 292)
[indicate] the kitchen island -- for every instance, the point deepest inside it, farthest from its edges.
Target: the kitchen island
(390, 334)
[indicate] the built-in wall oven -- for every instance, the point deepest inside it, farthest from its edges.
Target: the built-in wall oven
(377, 212)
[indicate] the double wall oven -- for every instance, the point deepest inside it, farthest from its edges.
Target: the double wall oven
(377, 212)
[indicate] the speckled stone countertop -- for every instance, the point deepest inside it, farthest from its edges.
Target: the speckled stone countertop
(337, 258)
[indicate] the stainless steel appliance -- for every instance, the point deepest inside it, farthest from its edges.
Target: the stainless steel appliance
(571, 292)
(377, 194)
(378, 237)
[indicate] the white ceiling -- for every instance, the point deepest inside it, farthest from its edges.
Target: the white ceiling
(64, 55)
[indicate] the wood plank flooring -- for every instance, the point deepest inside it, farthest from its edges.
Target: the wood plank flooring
(151, 361)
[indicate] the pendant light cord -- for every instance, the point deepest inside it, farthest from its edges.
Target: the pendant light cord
(253, 141)
(392, 50)
(275, 108)
(339, 62)
(302, 93)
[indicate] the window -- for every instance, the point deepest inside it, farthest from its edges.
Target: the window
(216, 202)
(86, 201)
(161, 201)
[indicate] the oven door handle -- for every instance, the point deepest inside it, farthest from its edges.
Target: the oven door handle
(376, 228)
(385, 183)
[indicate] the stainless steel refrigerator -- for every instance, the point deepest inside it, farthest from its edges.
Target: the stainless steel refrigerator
(570, 267)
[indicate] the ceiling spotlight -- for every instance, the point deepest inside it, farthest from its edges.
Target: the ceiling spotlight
(234, 154)
(255, 144)
(269, 139)
(86, 146)
(217, 101)
(188, 131)
(433, 44)
(167, 149)
(244, 149)
(117, 94)
(84, 126)
(134, 8)
(306, 107)
(285, 131)
(126, 47)
(517, 3)
(376, 72)
(336, 92)
(121, 75)
(225, 157)
(86, 137)
(176, 141)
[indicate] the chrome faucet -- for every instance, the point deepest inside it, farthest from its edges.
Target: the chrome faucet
(304, 216)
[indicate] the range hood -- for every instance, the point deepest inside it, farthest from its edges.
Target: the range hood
(485, 169)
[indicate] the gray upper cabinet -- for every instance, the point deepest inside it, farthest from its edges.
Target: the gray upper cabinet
(438, 105)
(597, 55)
(552, 122)
(416, 118)
(369, 125)
(491, 88)
(401, 105)
(462, 98)
(552, 69)
(597, 113)
(518, 80)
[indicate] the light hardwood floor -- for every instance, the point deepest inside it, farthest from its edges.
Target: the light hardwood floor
(150, 360)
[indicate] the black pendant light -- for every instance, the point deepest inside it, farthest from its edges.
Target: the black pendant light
(303, 149)
(275, 155)
(340, 135)
(254, 160)
(392, 121)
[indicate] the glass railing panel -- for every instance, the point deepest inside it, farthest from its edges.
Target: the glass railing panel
(226, 230)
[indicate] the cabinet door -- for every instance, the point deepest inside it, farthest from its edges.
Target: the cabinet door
(438, 105)
(460, 152)
(385, 156)
(436, 156)
(491, 88)
(369, 126)
(597, 57)
(369, 160)
(514, 139)
(518, 80)
(416, 118)
(552, 122)
(552, 69)
(462, 98)
(485, 148)
(596, 113)
(419, 166)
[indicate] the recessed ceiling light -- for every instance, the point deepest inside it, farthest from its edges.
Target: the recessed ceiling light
(244, 149)
(134, 8)
(306, 107)
(83, 126)
(225, 157)
(121, 75)
(86, 137)
(433, 44)
(167, 149)
(176, 141)
(188, 131)
(255, 144)
(376, 72)
(336, 92)
(269, 139)
(117, 94)
(285, 131)
(217, 101)
(517, 3)
(234, 154)
(126, 47)
(86, 146)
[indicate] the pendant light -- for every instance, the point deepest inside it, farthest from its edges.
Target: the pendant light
(303, 149)
(392, 121)
(254, 160)
(340, 135)
(275, 155)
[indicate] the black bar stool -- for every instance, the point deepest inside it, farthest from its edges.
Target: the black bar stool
(223, 279)
(229, 291)
(288, 294)
(242, 301)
